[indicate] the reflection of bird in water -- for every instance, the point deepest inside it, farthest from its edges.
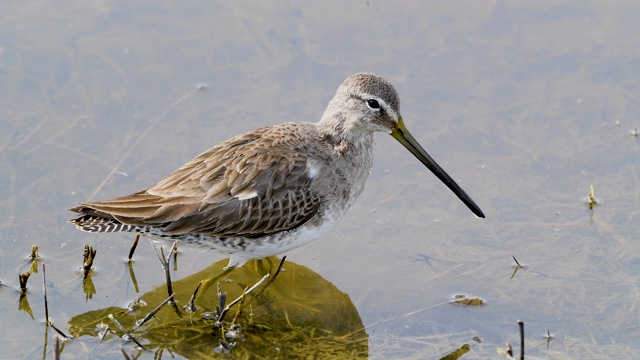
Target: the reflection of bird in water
(298, 314)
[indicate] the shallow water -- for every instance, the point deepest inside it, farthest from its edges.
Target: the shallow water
(525, 104)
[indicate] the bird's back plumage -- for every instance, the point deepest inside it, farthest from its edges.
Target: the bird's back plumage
(252, 185)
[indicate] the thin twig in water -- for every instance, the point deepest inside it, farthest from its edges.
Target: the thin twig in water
(22, 280)
(279, 267)
(516, 260)
(132, 274)
(56, 347)
(153, 312)
(239, 312)
(191, 307)
(521, 325)
(274, 276)
(516, 268)
(592, 198)
(222, 300)
(175, 257)
(44, 290)
(133, 248)
(58, 330)
(226, 309)
(165, 265)
(88, 255)
(124, 353)
(126, 332)
(104, 332)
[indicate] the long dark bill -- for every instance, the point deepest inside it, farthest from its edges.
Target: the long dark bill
(403, 136)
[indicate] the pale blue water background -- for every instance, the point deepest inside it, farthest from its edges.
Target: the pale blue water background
(526, 104)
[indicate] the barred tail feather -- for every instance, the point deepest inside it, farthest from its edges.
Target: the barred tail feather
(96, 224)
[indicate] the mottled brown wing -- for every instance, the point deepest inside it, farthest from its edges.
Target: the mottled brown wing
(251, 185)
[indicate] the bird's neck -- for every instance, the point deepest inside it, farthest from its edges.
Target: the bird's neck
(344, 131)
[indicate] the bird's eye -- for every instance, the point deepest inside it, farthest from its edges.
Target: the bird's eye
(373, 103)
